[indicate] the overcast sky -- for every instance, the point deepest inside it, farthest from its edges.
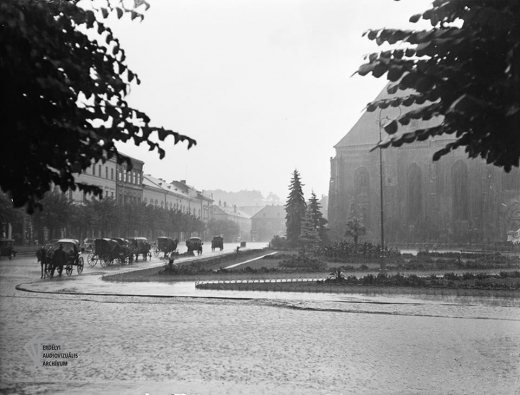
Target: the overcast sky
(264, 87)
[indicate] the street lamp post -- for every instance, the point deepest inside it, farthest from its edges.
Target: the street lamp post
(382, 258)
(381, 177)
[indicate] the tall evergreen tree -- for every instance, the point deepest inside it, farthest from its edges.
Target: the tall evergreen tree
(309, 236)
(295, 209)
(317, 219)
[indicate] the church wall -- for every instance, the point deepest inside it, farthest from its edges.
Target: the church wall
(420, 195)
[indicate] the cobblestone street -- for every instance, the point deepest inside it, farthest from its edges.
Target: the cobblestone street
(139, 345)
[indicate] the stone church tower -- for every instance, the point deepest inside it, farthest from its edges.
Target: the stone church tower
(455, 200)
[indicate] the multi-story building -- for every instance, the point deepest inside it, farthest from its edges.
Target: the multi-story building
(130, 182)
(99, 174)
(232, 213)
(267, 223)
(452, 200)
(176, 196)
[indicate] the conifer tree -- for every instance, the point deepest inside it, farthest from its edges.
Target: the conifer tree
(317, 218)
(309, 236)
(295, 209)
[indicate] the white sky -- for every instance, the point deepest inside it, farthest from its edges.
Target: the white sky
(264, 87)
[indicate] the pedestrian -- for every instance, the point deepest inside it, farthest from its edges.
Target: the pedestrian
(59, 259)
(171, 259)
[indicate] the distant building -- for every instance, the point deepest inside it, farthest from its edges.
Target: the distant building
(267, 223)
(453, 200)
(251, 210)
(176, 196)
(232, 213)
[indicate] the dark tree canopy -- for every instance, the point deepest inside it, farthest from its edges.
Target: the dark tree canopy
(63, 96)
(295, 209)
(465, 70)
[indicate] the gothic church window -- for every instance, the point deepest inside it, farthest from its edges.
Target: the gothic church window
(459, 180)
(362, 181)
(414, 195)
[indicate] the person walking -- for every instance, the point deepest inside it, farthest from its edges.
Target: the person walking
(171, 259)
(59, 259)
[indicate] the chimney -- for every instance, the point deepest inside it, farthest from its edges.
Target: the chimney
(183, 181)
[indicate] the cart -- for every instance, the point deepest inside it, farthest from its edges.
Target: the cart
(140, 246)
(165, 245)
(125, 251)
(105, 252)
(217, 242)
(72, 250)
(194, 244)
(6, 248)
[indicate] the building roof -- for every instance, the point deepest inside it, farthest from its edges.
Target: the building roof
(149, 181)
(366, 129)
(130, 157)
(270, 212)
(231, 211)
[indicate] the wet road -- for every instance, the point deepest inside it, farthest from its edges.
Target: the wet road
(356, 345)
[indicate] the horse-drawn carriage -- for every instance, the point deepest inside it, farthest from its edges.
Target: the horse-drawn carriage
(140, 246)
(71, 249)
(217, 242)
(194, 244)
(6, 248)
(164, 245)
(107, 251)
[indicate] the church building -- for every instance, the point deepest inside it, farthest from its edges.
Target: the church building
(455, 200)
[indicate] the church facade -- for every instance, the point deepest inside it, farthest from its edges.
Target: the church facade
(455, 200)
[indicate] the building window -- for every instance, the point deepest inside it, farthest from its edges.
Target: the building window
(93, 170)
(111, 174)
(106, 172)
(362, 181)
(112, 195)
(414, 197)
(99, 173)
(459, 182)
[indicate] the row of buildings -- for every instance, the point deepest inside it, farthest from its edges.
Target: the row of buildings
(125, 186)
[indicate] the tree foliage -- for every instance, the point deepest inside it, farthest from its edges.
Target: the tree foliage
(56, 214)
(309, 237)
(354, 229)
(465, 70)
(318, 221)
(64, 81)
(295, 209)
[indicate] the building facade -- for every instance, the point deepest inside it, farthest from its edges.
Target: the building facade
(129, 182)
(99, 174)
(176, 196)
(455, 200)
(267, 223)
(232, 213)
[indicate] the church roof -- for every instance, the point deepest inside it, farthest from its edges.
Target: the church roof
(366, 129)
